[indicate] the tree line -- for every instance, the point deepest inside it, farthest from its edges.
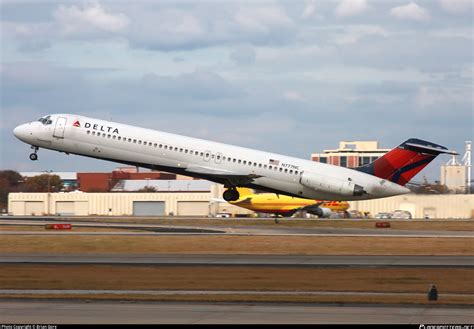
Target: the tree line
(12, 181)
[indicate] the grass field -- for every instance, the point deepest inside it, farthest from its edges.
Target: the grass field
(247, 278)
(205, 244)
(458, 281)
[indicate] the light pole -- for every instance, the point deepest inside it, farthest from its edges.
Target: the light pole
(48, 172)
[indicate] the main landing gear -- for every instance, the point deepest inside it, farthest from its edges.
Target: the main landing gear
(34, 156)
(231, 194)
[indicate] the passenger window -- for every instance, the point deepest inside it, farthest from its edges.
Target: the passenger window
(296, 172)
(166, 147)
(144, 143)
(254, 164)
(119, 138)
(181, 150)
(161, 145)
(135, 141)
(88, 132)
(264, 166)
(176, 149)
(240, 161)
(286, 170)
(291, 171)
(281, 169)
(270, 167)
(113, 137)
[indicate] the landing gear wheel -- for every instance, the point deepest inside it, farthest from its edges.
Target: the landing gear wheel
(231, 195)
(34, 156)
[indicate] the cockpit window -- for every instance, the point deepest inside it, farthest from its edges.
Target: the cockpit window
(46, 120)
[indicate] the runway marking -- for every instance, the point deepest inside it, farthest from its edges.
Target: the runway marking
(243, 260)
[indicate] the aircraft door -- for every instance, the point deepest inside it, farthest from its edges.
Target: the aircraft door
(59, 128)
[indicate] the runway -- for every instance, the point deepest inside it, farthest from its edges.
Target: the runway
(81, 312)
(155, 229)
(242, 260)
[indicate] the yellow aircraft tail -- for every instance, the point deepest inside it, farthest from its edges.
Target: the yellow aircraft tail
(244, 191)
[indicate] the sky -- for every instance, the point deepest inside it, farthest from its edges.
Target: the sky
(291, 77)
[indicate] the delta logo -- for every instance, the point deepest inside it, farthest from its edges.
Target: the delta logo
(77, 124)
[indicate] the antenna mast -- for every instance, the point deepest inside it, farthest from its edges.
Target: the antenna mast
(466, 161)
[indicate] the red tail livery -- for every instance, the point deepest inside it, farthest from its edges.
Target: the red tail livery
(406, 160)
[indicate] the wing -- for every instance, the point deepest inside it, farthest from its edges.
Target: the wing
(228, 177)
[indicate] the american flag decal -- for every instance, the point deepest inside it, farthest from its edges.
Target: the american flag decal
(274, 162)
(77, 124)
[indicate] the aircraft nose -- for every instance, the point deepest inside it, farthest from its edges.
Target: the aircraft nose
(21, 132)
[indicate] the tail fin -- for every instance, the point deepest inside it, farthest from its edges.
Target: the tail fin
(405, 161)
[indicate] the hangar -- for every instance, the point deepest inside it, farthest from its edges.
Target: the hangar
(203, 203)
(195, 199)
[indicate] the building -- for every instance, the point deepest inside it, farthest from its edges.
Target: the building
(351, 154)
(446, 206)
(128, 185)
(197, 201)
(454, 177)
(104, 182)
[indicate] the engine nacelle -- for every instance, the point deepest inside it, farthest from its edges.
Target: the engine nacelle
(331, 185)
(321, 212)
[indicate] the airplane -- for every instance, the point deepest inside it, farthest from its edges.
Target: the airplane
(232, 166)
(286, 206)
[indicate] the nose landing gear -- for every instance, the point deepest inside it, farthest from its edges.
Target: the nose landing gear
(231, 194)
(34, 156)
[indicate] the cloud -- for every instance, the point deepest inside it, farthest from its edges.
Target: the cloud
(410, 11)
(309, 10)
(199, 84)
(347, 8)
(457, 6)
(353, 33)
(261, 18)
(93, 17)
(293, 96)
(244, 55)
(187, 28)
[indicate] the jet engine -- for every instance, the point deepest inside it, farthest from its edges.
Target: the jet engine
(331, 185)
(321, 212)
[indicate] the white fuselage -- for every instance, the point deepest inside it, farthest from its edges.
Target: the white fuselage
(201, 158)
